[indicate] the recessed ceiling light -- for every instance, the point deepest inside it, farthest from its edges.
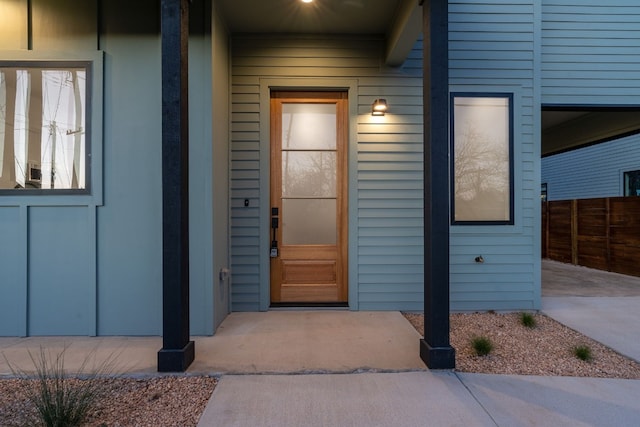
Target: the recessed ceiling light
(307, 1)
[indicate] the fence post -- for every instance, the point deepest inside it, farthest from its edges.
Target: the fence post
(574, 232)
(607, 232)
(547, 227)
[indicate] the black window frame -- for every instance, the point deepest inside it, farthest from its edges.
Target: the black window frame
(509, 96)
(625, 182)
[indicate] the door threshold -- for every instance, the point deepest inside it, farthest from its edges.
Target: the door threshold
(309, 305)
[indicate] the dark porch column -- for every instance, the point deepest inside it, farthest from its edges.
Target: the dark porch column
(435, 348)
(177, 351)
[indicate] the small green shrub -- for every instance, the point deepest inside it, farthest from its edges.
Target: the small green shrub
(481, 345)
(583, 352)
(528, 320)
(59, 399)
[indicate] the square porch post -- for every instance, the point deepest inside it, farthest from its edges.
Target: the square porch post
(177, 351)
(435, 348)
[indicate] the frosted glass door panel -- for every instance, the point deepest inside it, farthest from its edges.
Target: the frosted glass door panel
(309, 126)
(309, 221)
(308, 174)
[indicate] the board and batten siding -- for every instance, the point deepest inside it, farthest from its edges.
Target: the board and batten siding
(48, 261)
(385, 167)
(492, 48)
(589, 172)
(590, 52)
(92, 264)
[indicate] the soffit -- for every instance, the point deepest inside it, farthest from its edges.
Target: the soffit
(566, 130)
(318, 17)
(554, 118)
(398, 21)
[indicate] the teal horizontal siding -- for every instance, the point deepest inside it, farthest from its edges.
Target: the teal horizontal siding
(389, 301)
(497, 304)
(390, 206)
(397, 231)
(491, 267)
(386, 158)
(388, 175)
(469, 280)
(379, 283)
(590, 52)
(589, 172)
(492, 48)
(408, 305)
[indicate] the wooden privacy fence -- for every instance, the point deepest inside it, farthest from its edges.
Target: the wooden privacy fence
(597, 233)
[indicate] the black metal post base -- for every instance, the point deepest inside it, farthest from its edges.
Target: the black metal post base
(176, 360)
(437, 357)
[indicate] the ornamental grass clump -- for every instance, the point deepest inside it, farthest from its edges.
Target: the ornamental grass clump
(481, 345)
(59, 399)
(583, 352)
(528, 320)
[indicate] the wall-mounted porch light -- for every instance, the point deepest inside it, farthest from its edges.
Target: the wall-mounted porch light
(379, 107)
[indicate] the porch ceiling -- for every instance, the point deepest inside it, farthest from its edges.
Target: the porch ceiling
(398, 21)
(566, 129)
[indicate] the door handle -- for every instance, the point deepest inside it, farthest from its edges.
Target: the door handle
(273, 253)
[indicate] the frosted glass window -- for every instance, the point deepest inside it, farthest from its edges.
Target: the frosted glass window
(308, 174)
(309, 126)
(309, 221)
(482, 159)
(43, 116)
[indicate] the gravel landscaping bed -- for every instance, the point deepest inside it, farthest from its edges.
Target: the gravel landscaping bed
(546, 349)
(157, 401)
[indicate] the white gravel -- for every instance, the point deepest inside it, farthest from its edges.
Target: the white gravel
(546, 349)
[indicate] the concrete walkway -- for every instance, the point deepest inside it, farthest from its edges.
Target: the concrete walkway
(612, 321)
(341, 368)
(414, 399)
(566, 280)
(598, 304)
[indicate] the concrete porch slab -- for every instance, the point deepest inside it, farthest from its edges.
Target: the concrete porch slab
(310, 342)
(270, 342)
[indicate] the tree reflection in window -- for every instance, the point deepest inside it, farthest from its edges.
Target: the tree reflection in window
(481, 159)
(42, 126)
(309, 173)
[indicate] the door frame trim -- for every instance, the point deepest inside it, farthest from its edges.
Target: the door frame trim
(307, 84)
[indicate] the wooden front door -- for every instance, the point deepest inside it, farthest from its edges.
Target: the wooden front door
(309, 135)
